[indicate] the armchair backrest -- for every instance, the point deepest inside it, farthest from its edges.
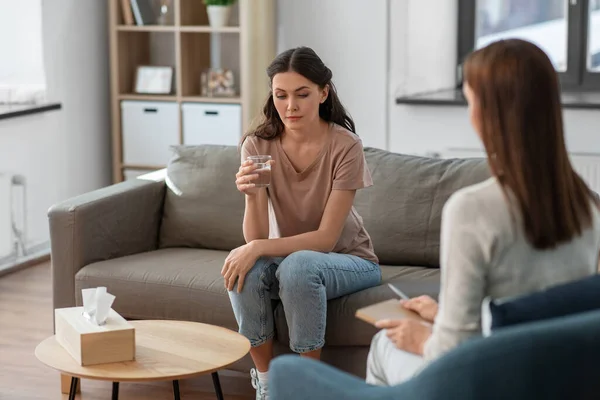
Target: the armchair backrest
(552, 359)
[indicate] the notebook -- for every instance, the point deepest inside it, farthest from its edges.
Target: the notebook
(389, 309)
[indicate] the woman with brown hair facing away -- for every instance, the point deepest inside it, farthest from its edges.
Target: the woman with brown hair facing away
(533, 225)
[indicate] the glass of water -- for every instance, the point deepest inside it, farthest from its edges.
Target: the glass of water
(263, 169)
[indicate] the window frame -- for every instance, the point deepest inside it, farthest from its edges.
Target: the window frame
(575, 78)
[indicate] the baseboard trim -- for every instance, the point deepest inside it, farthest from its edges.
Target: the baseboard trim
(39, 254)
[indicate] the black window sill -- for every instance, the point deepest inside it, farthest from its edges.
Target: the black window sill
(454, 97)
(19, 110)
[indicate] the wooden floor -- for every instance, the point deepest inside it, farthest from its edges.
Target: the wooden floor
(26, 319)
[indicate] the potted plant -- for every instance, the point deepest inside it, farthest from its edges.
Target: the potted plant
(218, 12)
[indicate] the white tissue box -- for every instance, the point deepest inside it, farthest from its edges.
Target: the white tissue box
(91, 344)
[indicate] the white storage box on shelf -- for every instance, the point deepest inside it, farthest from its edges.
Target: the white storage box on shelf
(209, 123)
(149, 128)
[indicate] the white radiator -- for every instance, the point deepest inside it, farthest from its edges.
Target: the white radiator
(586, 165)
(6, 235)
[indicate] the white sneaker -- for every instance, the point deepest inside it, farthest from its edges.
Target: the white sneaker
(261, 389)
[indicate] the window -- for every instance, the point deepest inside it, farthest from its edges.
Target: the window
(567, 30)
(22, 75)
(593, 50)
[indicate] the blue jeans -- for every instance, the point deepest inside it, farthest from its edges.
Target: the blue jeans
(303, 281)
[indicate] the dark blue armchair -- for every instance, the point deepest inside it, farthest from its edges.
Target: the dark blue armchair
(551, 360)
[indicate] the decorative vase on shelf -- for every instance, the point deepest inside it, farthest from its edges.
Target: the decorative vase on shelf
(165, 13)
(218, 12)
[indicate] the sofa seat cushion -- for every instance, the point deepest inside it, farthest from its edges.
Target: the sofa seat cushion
(177, 284)
(343, 328)
(186, 284)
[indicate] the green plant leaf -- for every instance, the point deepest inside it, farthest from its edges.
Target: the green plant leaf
(219, 2)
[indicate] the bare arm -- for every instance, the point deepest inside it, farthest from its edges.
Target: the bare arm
(323, 239)
(256, 216)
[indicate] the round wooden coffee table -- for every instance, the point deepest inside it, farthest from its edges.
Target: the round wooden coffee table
(164, 351)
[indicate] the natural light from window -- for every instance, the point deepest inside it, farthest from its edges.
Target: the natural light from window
(543, 22)
(593, 63)
(22, 78)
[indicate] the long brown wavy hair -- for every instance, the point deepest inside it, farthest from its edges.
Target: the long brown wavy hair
(304, 61)
(518, 93)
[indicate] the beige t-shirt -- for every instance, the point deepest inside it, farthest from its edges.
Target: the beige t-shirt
(298, 199)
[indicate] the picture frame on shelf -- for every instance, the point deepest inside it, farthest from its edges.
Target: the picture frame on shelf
(154, 80)
(217, 82)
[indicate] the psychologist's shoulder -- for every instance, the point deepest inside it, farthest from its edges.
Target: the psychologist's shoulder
(481, 200)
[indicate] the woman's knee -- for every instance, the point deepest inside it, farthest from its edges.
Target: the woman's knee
(379, 343)
(298, 268)
(255, 276)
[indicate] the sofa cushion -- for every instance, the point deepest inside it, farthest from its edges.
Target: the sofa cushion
(557, 301)
(402, 210)
(202, 208)
(177, 284)
(186, 284)
(343, 328)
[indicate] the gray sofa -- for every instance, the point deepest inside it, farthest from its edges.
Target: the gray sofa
(159, 245)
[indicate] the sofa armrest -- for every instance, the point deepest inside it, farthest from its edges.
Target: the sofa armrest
(107, 223)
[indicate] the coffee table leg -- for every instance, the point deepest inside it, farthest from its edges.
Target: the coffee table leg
(176, 390)
(73, 389)
(115, 392)
(217, 385)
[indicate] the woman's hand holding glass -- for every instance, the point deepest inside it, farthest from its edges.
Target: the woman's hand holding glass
(253, 175)
(244, 177)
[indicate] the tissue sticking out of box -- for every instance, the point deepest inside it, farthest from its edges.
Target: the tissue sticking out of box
(96, 304)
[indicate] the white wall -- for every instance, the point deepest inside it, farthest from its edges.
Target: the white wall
(76, 59)
(417, 129)
(350, 36)
(33, 146)
(422, 45)
(64, 153)
(21, 42)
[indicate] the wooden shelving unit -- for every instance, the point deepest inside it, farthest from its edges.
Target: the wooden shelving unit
(135, 28)
(222, 100)
(186, 46)
(208, 29)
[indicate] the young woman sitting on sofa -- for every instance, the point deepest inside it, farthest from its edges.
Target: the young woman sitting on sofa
(305, 241)
(533, 225)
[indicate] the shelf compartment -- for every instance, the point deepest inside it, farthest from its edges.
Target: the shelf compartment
(193, 12)
(147, 97)
(142, 48)
(209, 29)
(195, 58)
(200, 51)
(220, 100)
(146, 28)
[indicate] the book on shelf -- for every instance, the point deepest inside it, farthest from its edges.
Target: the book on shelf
(127, 12)
(143, 12)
